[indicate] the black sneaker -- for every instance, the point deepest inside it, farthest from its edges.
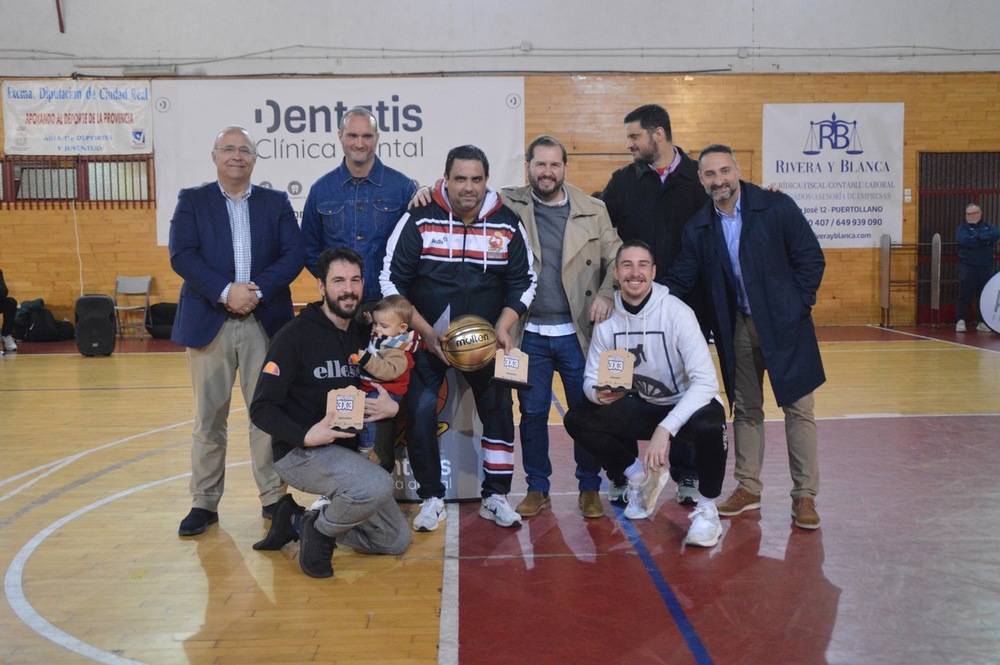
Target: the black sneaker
(197, 521)
(616, 492)
(687, 491)
(316, 549)
(282, 531)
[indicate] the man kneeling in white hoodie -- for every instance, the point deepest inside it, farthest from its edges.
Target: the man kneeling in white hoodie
(674, 396)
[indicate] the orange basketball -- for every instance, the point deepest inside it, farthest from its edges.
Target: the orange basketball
(470, 343)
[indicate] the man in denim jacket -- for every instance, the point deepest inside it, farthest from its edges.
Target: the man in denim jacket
(357, 204)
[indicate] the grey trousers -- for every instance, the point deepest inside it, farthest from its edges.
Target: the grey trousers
(362, 512)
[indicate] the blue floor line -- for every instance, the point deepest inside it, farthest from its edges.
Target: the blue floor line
(687, 631)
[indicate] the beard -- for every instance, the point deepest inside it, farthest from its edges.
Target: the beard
(345, 311)
(722, 193)
(539, 187)
(647, 155)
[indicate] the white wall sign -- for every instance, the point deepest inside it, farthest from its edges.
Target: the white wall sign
(77, 118)
(294, 122)
(843, 165)
(989, 304)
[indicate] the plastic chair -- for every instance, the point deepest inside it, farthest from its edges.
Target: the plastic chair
(132, 305)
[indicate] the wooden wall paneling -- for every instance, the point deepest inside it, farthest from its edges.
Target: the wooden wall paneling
(944, 113)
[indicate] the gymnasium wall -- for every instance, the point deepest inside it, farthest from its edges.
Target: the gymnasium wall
(59, 254)
(194, 38)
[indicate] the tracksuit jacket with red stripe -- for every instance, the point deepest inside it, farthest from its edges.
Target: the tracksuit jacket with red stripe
(447, 269)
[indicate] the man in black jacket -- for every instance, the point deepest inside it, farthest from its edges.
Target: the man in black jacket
(306, 359)
(650, 200)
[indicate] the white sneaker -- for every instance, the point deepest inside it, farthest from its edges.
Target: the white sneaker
(431, 514)
(705, 527)
(320, 503)
(687, 492)
(960, 326)
(9, 344)
(982, 327)
(496, 508)
(642, 497)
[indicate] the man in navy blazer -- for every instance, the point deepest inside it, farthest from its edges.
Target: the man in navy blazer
(238, 248)
(762, 266)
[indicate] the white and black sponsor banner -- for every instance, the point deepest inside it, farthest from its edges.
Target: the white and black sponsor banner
(77, 117)
(295, 121)
(843, 165)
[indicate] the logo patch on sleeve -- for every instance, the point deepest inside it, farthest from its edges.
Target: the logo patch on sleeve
(271, 368)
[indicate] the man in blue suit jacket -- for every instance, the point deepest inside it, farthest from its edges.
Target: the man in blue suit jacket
(762, 266)
(238, 248)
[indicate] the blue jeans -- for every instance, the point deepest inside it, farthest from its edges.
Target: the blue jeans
(547, 356)
(367, 437)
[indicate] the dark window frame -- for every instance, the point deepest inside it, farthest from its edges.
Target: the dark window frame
(127, 182)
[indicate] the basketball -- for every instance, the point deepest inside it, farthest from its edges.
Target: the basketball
(470, 343)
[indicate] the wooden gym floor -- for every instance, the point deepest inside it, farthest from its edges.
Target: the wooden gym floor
(903, 570)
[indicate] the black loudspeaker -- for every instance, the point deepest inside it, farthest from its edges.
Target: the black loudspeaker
(95, 325)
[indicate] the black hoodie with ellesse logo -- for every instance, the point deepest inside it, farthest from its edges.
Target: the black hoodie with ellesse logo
(307, 359)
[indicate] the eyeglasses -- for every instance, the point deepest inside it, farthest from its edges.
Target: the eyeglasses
(246, 151)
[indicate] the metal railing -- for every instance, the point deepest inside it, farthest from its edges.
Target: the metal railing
(904, 258)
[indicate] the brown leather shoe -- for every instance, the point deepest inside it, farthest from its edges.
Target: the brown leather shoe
(590, 504)
(739, 501)
(804, 513)
(533, 503)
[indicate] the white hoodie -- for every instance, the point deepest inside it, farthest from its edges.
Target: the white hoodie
(672, 365)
